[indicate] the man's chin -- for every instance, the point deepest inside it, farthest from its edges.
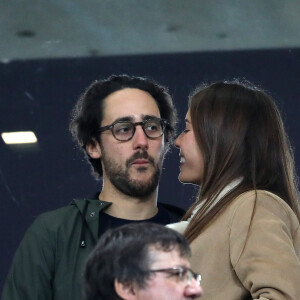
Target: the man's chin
(141, 179)
(141, 171)
(137, 182)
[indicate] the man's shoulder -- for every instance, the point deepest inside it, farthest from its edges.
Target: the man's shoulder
(175, 212)
(65, 213)
(55, 217)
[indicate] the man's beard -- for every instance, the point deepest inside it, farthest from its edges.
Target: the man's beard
(120, 176)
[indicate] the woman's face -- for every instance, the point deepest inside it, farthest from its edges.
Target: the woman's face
(191, 160)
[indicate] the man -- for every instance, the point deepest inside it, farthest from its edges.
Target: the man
(124, 125)
(140, 262)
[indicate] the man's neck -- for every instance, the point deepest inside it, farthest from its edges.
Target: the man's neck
(128, 207)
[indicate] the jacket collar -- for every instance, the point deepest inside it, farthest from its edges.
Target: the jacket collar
(94, 204)
(90, 208)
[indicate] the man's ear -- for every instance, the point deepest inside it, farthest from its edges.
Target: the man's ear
(125, 291)
(94, 150)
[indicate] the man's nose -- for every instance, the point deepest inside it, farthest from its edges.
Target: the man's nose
(140, 140)
(193, 289)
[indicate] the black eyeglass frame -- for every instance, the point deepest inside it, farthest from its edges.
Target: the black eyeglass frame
(181, 270)
(163, 123)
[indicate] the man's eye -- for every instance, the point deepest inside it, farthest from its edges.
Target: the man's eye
(175, 274)
(152, 126)
(123, 128)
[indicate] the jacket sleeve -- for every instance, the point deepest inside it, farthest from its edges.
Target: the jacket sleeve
(263, 248)
(31, 273)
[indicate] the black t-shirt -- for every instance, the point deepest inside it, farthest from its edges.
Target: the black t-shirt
(106, 221)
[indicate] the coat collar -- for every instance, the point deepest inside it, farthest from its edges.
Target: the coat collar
(91, 208)
(182, 225)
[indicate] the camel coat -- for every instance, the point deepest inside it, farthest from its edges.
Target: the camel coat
(242, 261)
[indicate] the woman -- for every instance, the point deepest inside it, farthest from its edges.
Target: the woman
(244, 227)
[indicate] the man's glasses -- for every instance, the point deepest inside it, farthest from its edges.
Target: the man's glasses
(124, 130)
(182, 273)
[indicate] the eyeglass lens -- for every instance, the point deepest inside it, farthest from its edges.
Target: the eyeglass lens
(125, 130)
(188, 275)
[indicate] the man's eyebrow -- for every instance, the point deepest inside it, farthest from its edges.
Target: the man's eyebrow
(132, 119)
(124, 119)
(149, 117)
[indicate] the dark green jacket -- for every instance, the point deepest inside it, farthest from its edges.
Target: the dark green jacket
(48, 264)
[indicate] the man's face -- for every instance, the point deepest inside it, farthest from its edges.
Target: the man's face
(133, 166)
(164, 286)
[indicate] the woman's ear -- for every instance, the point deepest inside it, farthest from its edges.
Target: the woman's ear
(94, 150)
(124, 291)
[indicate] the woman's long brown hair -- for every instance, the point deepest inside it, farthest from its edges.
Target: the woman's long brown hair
(241, 134)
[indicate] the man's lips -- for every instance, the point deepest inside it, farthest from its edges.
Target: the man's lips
(140, 161)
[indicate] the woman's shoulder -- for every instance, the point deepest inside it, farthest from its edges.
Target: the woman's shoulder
(261, 198)
(263, 203)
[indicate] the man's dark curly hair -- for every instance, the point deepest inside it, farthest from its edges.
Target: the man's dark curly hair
(126, 254)
(88, 113)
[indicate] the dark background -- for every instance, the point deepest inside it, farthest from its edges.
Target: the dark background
(38, 95)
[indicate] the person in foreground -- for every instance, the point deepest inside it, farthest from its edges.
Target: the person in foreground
(244, 226)
(124, 125)
(140, 262)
